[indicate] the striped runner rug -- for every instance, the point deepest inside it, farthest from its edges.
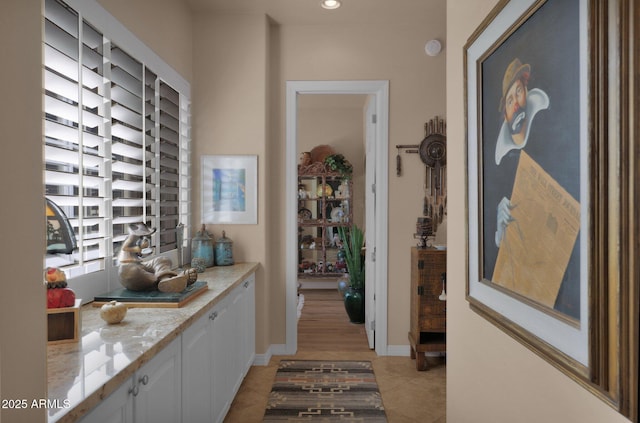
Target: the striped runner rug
(325, 391)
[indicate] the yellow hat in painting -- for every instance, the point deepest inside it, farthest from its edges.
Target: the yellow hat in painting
(514, 71)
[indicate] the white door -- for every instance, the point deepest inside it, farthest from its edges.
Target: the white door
(370, 222)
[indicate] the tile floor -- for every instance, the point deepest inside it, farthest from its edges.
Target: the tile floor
(409, 396)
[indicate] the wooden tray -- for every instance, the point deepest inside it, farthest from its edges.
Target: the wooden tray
(152, 299)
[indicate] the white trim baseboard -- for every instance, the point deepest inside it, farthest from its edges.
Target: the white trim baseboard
(405, 351)
(392, 350)
(274, 349)
(399, 350)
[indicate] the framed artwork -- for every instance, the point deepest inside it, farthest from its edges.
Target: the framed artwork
(542, 214)
(230, 189)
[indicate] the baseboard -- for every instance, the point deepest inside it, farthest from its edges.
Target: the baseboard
(281, 349)
(318, 284)
(274, 349)
(399, 350)
(405, 351)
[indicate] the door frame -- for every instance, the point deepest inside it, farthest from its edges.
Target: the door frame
(379, 92)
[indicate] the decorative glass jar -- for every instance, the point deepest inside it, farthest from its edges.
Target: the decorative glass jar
(224, 251)
(202, 249)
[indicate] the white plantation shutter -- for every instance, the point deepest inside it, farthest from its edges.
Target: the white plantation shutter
(185, 166)
(117, 142)
(127, 144)
(74, 130)
(169, 165)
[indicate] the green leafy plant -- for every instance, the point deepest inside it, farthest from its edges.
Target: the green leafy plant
(338, 163)
(353, 241)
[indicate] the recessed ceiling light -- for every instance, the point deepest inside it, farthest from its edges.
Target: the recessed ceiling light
(330, 4)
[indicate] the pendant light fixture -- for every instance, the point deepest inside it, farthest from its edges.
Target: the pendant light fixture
(330, 4)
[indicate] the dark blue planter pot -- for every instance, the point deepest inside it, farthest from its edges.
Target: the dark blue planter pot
(354, 304)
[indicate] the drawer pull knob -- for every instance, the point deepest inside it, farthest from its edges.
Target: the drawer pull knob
(134, 390)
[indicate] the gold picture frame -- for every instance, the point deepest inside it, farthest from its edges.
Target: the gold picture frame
(551, 117)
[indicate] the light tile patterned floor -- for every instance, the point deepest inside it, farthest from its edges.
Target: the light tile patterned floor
(409, 396)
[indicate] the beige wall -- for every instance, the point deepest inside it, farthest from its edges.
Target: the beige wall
(379, 52)
(229, 105)
(241, 64)
(490, 377)
(22, 302)
(163, 25)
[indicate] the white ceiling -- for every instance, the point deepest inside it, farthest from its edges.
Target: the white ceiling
(309, 12)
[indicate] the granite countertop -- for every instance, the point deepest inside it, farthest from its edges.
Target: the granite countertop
(83, 373)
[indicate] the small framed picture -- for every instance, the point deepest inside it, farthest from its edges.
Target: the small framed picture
(230, 189)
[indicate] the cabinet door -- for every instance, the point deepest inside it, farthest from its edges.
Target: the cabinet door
(197, 369)
(222, 350)
(116, 408)
(235, 338)
(248, 325)
(159, 397)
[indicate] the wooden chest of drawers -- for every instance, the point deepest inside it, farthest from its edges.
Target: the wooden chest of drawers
(428, 312)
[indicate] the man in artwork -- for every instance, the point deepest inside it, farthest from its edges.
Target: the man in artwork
(519, 105)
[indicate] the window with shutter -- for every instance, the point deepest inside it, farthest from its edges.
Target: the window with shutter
(116, 139)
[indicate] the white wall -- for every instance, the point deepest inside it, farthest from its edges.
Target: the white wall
(490, 377)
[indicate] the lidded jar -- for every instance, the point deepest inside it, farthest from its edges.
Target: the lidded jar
(202, 249)
(224, 251)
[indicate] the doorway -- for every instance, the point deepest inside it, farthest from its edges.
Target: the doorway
(376, 201)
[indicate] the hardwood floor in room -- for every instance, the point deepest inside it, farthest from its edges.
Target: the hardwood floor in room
(325, 333)
(324, 324)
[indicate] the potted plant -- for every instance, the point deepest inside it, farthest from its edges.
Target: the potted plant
(353, 243)
(338, 163)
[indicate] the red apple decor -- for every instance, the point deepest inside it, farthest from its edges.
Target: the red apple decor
(58, 295)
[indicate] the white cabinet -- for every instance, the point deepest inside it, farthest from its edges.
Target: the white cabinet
(248, 325)
(223, 356)
(159, 385)
(117, 408)
(153, 394)
(197, 370)
(217, 352)
(195, 378)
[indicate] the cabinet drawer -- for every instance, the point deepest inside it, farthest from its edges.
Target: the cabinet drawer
(434, 308)
(433, 323)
